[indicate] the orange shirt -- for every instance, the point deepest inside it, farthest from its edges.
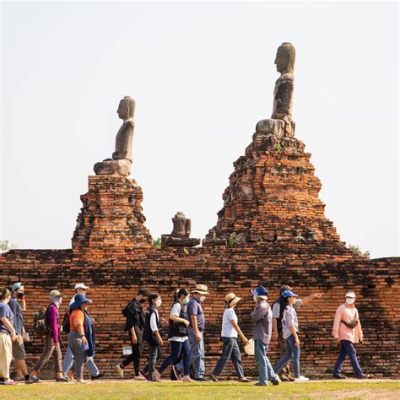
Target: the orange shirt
(76, 317)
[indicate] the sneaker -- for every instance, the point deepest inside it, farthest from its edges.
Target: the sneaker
(100, 375)
(261, 384)
(301, 379)
(32, 379)
(145, 375)
(276, 381)
(214, 378)
(200, 379)
(339, 376)
(187, 378)
(62, 379)
(82, 381)
(120, 370)
(8, 382)
(243, 379)
(156, 376)
(140, 376)
(365, 376)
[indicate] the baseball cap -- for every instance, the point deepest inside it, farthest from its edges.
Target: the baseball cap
(289, 293)
(81, 286)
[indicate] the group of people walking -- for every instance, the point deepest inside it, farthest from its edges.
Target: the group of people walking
(185, 332)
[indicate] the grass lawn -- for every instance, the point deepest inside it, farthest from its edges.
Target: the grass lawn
(109, 390)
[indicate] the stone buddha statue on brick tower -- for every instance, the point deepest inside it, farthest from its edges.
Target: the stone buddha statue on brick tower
(281, 123)
(121, 161)
(180, 235)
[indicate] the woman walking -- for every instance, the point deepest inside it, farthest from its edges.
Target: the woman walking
(290, 328)
(51, 342)
(178, 336)
(7, 336)
(229, 334)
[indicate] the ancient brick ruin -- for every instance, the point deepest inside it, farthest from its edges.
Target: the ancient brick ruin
(271, 230)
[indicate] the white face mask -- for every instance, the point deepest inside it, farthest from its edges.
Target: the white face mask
(185, 300)
(158, 302)
(202, 298)
(57, 301)
(350, 300)
(255, 298)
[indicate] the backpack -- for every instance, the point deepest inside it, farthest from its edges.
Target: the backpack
(39, 322)
(65, 323)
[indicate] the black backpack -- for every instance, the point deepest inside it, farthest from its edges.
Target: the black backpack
(65, 323)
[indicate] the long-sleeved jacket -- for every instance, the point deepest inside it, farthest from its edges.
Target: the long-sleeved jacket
(52, 323)
(262, 318)
(340, 331)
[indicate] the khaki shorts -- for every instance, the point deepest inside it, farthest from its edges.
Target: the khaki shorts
(18, 349)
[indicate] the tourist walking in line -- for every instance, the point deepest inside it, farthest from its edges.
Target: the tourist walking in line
(134, 326)
(81, 289)
(346, 332)
(290, 329)
(262, 319)
(7, 336)
(178, 336)
(277, 314)
(51, 342)
(196, 331)
(152, 335)
(77, 337)
(229, 334)
(18, 307)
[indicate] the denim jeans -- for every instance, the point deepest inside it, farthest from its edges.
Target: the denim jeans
(230, 350)
(265, 370)
(347, 349)
(292, 352)
(178, 349)
(154, 356)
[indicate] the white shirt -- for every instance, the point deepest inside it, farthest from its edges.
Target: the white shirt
(153, 321)
(175, 312)
(227, 328)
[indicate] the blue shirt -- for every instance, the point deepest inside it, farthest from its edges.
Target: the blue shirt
(194, 308)
(18, 315)
(5, 311)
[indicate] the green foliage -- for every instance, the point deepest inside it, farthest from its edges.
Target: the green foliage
(244, 164)
(357, 250)
(157, 243)
(278, 147)
(5, 245)
(232, 240)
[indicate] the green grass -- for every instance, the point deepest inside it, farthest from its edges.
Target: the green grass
(110, 390)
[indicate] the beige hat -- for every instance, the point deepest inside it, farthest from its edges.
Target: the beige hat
(201, 289)
(55, 293)
(232, 299)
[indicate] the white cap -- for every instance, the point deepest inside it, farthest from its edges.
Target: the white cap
(351, 294)
(81, 286)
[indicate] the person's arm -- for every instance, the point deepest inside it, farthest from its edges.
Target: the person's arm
(258, 313)
(154, 328)
(22, 303)
(8, 325)
(336, 324)
(310, 298)
(134, 338)
(174, 316)
(239, 331)
(294, 333)
(78, 323)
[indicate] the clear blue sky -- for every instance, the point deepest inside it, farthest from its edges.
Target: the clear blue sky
(202, 75)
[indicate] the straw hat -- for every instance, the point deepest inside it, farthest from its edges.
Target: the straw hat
(55, 293)
(232, 299)
(249, 348)
(201, 289)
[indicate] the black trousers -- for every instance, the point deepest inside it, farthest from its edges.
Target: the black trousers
(137, 350)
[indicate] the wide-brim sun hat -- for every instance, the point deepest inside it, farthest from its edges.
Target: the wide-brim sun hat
(232, 299)
(79, 300)
(249, 348)
(201, 289)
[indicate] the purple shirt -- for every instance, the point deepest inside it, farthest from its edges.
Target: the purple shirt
(194, 308)
(52, 323)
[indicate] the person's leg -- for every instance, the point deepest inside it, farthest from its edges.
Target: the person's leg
(285, 358)
(48, 349)
(176, 348)
(351, 351)
(290, 342)
(225, 356)
(337, 369)
(92, 367)
(68, 359)
(129, 359)
(149, 369)
(79, 359)
(5, 356)
(259, 353)
(136, 357)
(236, 358)
(58, 360)
(285, 370)
(186, 357)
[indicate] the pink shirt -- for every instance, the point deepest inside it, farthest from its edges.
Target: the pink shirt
(348, 313)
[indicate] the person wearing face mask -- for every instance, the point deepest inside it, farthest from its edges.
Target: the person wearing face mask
(51, 341)
(18, 307)
(262, 319)
(196, 331)
(134, 325)
(290, 329)
(178, 336)
(347, 331)
(151, 334)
